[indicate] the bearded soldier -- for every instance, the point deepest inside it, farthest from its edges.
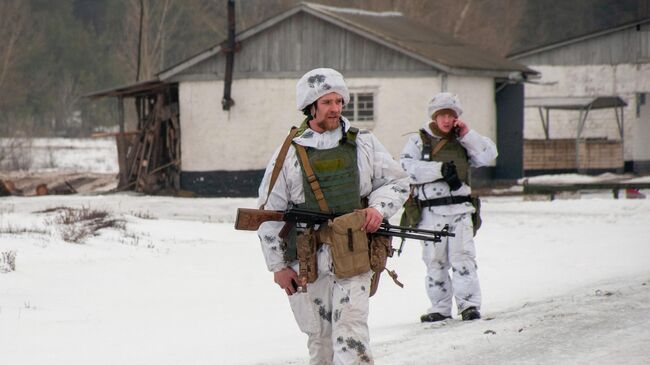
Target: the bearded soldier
(328, 166)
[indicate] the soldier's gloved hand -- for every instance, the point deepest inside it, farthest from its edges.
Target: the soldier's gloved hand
(450, 175)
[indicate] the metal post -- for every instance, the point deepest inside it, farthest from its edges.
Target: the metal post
(545, 122)
(581, 124)
(227, 101)
(121, 144)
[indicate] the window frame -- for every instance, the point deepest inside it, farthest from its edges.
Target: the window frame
(354, 94)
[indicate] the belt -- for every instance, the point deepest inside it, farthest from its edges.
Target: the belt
(448, 200)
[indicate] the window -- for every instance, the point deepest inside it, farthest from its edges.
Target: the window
(361, 109)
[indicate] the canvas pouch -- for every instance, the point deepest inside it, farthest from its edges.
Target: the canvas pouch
(307, 248)
(348, 244)
(476, 216)
(412, 213)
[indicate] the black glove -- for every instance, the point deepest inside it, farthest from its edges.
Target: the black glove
(450, 175)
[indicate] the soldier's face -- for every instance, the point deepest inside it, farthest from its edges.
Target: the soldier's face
(327, 112)
(446, 120)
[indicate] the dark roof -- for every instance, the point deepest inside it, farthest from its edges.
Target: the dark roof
(511, 27)
(393, 30)
(419, 38)
(547, 22)
(575, 103)
(138, 88)
(541, 35)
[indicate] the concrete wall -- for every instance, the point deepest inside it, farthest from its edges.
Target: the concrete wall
(593, 80)
(641, 134)
(245, 137)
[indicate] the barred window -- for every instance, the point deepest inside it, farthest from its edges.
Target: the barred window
(361, 107)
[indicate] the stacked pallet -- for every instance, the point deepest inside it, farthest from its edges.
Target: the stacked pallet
(151, 157)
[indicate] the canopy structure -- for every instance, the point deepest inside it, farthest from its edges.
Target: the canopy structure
(581, 104)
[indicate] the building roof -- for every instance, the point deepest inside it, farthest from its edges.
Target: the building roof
(531, 50)
(131, 90)
(393, 30)
(575, 103)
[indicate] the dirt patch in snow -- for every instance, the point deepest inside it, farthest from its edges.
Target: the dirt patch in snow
(81, 182)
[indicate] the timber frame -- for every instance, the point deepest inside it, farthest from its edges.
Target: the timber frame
(148, 157)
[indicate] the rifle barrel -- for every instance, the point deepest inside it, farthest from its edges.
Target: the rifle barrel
(443, 232)
(309, 216)
(433, 238)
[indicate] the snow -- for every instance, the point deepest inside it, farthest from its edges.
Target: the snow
(67, 154)
(564, 282)
(579, 179)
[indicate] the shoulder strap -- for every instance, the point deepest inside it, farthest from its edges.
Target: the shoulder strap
(428, 150)
(311, 178)
(279, 161)
(350, 135)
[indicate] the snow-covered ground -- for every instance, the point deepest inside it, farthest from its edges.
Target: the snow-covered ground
(564, 282)
(60, 154)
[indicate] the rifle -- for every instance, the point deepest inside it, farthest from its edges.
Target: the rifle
(250, 220)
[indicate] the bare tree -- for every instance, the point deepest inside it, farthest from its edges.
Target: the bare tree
(158, 21)
(12, 24)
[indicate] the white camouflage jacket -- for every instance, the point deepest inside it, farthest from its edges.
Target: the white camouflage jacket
(425, 174)
(382, 181)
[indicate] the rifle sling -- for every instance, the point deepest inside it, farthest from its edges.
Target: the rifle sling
(439, 146)
(279, 161)
(311, 178)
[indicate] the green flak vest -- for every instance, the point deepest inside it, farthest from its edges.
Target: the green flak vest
(337, 172)
(451, 151)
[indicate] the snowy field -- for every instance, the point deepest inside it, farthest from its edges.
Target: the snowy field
(168, 281)
(97, 155)
(564, 282)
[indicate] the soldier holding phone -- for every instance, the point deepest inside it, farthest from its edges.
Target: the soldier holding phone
(438, 161)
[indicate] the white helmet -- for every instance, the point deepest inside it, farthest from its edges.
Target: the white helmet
(317, 83)
(444, 101)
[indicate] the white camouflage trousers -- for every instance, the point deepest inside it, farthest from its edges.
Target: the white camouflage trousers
(334, 314)
(456, 253)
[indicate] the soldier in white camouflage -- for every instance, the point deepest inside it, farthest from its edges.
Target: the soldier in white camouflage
(351, 166)
(438, 161)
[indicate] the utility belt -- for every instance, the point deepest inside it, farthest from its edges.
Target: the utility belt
(448, 200)
(354, 252)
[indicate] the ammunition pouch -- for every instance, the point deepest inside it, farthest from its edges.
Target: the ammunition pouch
(307, 248)
(476, 216)
(380, 250)
(348, 244)
(412, 213)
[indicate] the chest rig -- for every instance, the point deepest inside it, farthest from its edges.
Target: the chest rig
(446, 150)
(330, 181)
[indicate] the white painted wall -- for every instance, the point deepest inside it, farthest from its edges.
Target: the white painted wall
(641, 137)
(478, 101)
(245, 137)
(593, 80)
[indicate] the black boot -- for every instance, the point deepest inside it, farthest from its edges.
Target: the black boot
(433, 317)
(470, 314)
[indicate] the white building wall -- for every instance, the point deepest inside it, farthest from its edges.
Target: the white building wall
(245, 137)
(593, 80)
(478, 101)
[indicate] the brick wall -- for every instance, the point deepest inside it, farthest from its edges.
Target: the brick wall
(559, 154)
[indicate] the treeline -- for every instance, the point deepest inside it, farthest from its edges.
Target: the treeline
(52, 52)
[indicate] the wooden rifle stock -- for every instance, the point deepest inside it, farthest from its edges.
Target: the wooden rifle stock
(250, 219)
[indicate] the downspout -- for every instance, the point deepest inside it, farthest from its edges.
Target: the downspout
(227, 101)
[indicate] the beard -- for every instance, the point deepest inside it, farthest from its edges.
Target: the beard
(328, 124)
